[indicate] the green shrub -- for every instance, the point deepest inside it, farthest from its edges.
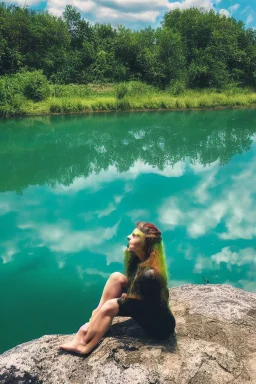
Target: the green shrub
(9, 86)
(12, 100)
(121, 91)
(123, 104)
(15, 106)
(36, 86)
(177, 87)
(141, 89)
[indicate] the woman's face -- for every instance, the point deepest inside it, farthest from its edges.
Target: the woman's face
(136, 241)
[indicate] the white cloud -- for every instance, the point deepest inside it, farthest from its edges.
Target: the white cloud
(60, 237)
(197, 219)
(131, 11)
(170, 214)
(234, 7)
(10, 249)
(5, 207)
(202, 263)
(84, 6)
(104, 13)
(23, 2)
(107, 211)
(118, 198)
(224, 12)
(114, 11)
(138, 214)
(245, 256)
(206, 4)
(240, 221)
(246, 9)
(198, 167)
(200, 210)
(249, 20)
(98, 213)
(204, 220)
(95, 181)
(139, 3)
(187, 250)
(242, 257)
(113, 252)
(202, 192)
(91, 271)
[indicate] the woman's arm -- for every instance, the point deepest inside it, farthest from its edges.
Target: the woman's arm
(151, 285)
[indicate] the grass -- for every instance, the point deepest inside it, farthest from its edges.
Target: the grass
(134, 96)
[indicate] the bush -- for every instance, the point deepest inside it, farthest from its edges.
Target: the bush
(177, 87)
(124, 104)
(121, 91)
(9, 86)
(36, 86)
(15, 106)
(141, 89)
(12, 100)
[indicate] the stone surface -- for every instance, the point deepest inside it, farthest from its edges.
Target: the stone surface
(215, 343)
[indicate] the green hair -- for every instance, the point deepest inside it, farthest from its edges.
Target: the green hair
(156, 259)
(159, 248)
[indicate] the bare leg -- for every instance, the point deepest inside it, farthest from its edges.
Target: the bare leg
(77, 342)
(113, 289)
(84, 342)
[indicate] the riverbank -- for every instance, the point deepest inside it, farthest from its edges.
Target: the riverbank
(126, 97)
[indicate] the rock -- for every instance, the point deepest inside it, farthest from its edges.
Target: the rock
(215, 343)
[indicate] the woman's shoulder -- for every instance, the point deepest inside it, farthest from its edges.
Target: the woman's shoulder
(151, 283)
(152, 274)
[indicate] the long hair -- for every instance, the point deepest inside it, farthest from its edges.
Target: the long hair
(154, 248)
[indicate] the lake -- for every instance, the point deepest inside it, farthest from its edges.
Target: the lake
(73, 187)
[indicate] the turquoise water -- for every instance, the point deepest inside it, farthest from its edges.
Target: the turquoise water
(72, 188)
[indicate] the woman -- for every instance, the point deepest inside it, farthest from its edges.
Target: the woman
(146, 298)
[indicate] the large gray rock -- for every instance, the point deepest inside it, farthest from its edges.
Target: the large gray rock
(215, 343)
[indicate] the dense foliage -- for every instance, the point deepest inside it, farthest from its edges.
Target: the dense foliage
(17, 89)
(47, 152)
(192, 49)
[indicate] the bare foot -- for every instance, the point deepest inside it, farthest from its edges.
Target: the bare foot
(77, 344)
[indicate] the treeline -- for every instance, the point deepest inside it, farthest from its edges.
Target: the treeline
(47, 152)
(191, 49)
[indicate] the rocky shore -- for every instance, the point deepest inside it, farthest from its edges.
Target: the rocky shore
(215, 343)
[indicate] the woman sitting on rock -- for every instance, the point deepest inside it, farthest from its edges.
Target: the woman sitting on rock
(146, 298)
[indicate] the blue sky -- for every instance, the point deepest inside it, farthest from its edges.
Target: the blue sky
(142, 13)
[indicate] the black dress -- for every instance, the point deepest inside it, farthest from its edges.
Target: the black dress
(152, 312)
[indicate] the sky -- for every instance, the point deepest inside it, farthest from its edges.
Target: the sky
(137, 14)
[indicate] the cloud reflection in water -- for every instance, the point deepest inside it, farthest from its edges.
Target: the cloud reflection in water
(189, 185)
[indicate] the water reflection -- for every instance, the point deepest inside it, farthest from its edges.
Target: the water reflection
(58, 150)
(82, 182)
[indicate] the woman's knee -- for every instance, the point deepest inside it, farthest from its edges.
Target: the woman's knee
(118, 278)
(110, 308)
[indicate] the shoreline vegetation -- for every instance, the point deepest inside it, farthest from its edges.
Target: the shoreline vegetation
(195, 59)
(130, 96)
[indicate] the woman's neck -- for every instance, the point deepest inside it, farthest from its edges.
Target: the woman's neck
(141, 255)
